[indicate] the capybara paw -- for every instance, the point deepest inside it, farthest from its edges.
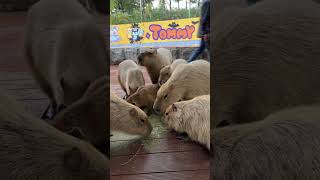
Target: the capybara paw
(183, 136)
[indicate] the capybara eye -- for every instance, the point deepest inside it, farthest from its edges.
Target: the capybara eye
(165, 96)
(179, 100)
(134, 104)
(142, 120)
(167, 114)
(167, 73)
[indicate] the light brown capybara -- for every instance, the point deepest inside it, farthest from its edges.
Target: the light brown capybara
(285, 145)
(154, 60)
(65, 49)
(89, 114)
(32, 149)
(125, 117)
(144, 97)
(186, 82)
(166, 71)
(130, 76)
(260, 57)
(191, 117)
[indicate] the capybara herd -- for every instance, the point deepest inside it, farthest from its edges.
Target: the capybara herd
(172, 81)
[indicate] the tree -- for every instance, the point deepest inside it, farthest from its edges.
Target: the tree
(178, 1)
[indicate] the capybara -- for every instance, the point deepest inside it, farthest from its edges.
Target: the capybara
(154, 60)
(191, 117)
(130, 76)
(144, 97)
(186, 82)
(128, 118)
(65, 49)
(32, 149)
(166, 71)
(285, 145)
(266, 58)
(89, 114)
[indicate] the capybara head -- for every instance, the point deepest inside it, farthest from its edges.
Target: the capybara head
(32, 149)
(128, 118)
(146, 56)
(165, 74)
(87, 117)
(135, 80)
(172, 117)
(144, 97)
(167, 95)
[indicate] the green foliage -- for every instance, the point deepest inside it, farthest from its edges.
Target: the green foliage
(150, 14)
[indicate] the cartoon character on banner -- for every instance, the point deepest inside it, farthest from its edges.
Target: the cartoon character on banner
(135, 33)
(114, 34)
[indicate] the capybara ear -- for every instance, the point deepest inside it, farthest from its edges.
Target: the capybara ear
(174, 108)
(133, 112)
(73, 159)
(153, 51)
(77, 132)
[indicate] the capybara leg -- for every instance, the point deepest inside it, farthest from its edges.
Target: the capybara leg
(45, 115)
(58, 104)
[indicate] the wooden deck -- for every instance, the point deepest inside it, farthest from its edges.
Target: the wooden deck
(159, 157)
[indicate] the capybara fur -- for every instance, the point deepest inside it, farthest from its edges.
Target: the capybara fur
(125, 117)
(191, 117)
(65, 49)
(144, 97)
(130, 76)
(89, 114)
(166, 71)
(285, 145)
(186, 82)
(154, 60)
(266, 58)
(32, 149)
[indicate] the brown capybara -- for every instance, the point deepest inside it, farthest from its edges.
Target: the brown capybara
(186, 82)
(154, 60)
(130, 76)
(266, 58)
(65, 49)
(166, 71)
(285, 145)
(32, 149)
(191, 117)
(89, 114)
(125, 117)
(144, 97)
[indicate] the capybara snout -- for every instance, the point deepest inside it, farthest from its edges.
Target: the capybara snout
(128, 118)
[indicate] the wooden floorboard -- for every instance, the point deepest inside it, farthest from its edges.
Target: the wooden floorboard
(181, 175)
(153, 146)
(160, 162)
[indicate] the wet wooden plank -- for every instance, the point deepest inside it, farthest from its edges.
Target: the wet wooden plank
(161, 162)
(181, 175)
(28, 94)
(12, 76)
(18, 85)
(152, 146)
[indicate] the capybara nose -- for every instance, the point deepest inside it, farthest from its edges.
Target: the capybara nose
(157, 110)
